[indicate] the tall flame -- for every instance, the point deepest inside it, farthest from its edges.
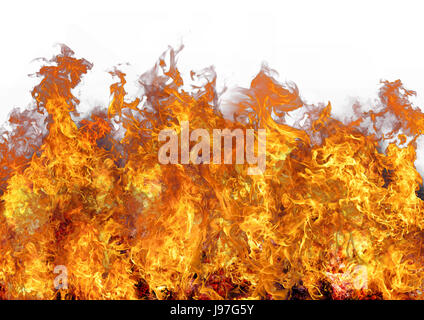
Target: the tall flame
(333, 216)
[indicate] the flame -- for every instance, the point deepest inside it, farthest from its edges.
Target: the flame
(335, 215)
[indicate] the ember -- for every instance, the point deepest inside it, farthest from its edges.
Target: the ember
(335, 215)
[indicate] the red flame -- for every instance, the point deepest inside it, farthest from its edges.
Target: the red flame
(333, 216)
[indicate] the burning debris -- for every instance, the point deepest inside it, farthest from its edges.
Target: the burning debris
(332, 216)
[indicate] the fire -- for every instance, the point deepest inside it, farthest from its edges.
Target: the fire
(335, 214)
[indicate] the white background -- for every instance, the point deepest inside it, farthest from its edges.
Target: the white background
(333, 50)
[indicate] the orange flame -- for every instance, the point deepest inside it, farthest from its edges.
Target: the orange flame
(332, 216)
